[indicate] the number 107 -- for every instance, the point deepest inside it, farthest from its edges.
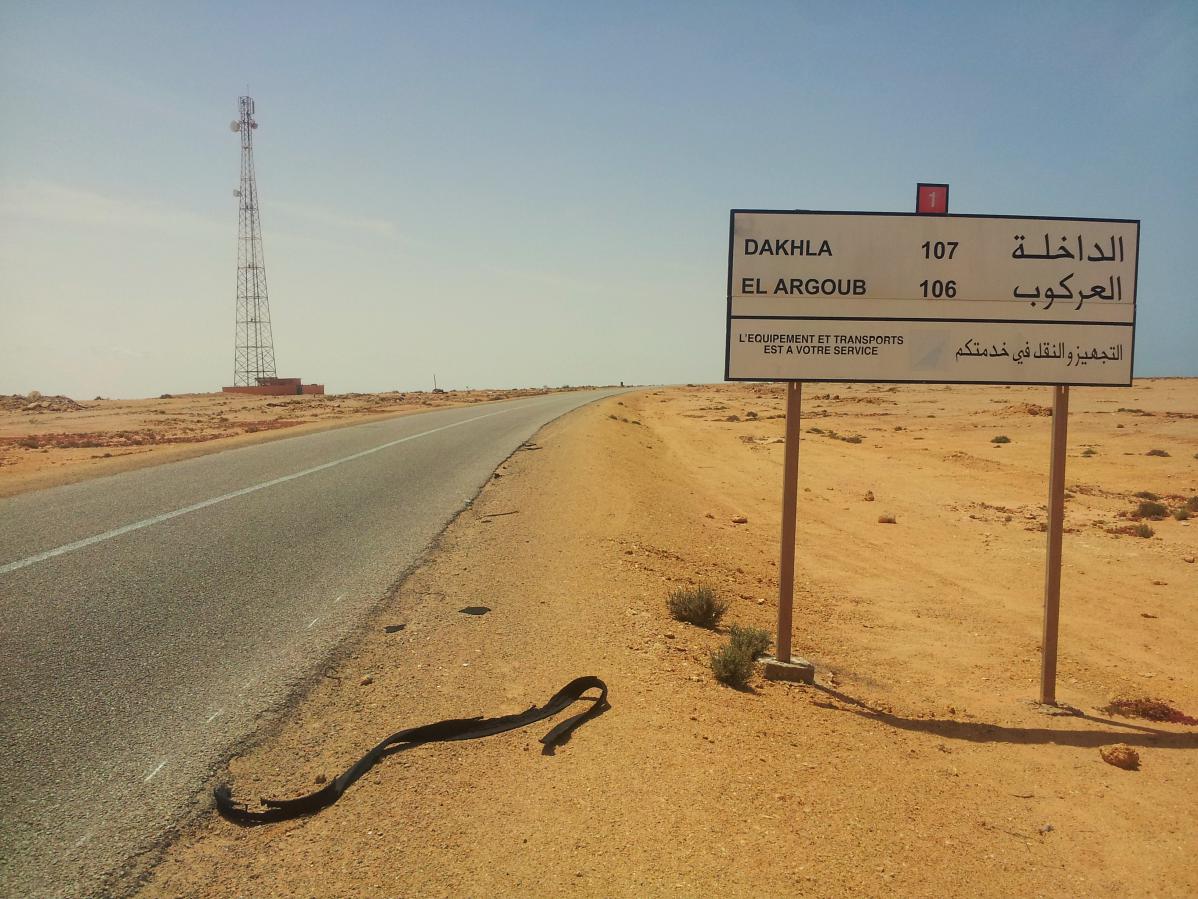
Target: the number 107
(941, 249)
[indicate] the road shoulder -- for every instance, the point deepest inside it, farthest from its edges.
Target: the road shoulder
(887, 778)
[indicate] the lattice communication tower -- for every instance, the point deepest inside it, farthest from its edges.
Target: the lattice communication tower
(254, 353)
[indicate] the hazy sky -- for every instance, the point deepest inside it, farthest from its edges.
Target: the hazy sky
(532, 193)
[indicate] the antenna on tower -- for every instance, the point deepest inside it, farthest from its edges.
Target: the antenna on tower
(254, 351)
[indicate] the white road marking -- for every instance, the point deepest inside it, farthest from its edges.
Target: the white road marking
(312, 622)
(150, 776)
(213, 716)
(195, 507)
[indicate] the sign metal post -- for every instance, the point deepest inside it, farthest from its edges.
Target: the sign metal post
(790, 497)
(1052, 570)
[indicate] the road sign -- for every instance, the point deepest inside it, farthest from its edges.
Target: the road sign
(955, 299)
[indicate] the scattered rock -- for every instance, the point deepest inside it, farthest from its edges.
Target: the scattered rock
(394, 628)
(709, 515)
(1148, 708)
(474, 610)
(740, 519)
(1147, 615)
(886, 519)
(1121, 756)
(366, 681)
(320, 778)
(1045, 828)
(869, 496)
(35, 402)
(1189, 559)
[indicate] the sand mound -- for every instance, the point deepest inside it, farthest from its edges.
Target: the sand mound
(1027, 409)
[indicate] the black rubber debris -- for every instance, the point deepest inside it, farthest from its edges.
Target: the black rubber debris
(474, 610)
(452, 729)
(394, 628)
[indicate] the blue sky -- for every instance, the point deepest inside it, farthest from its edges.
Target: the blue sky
(528, 193)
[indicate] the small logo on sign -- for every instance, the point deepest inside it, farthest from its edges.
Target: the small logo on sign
(931, 199)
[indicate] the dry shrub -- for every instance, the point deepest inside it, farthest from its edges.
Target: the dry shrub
(753, 640)
(1151, 510)
(732, 665)
(1143, 530)
(697, 605)
(1156, 452)
(1001, 438)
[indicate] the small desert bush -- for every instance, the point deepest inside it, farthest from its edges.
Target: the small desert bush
(1089, 451)
(1156, 452)
(1181, 514)
(1146, 494)
(1192, 502)
(752, 640)
(1001, 438)
(732, 665)
(1143, 530)
(697, 605)
(1151, 510)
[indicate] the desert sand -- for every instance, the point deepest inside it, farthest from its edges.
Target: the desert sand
(50, 440)
(919, 765)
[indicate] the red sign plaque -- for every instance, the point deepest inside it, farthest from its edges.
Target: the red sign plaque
(931, 199)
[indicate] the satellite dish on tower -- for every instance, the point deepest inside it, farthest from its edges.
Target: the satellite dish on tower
(235, 125)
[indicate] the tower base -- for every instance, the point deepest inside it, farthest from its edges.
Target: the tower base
(277, 387)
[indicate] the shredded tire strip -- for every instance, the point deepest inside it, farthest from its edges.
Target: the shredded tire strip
(438, 732)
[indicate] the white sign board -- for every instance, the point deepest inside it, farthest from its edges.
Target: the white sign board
(950, 299)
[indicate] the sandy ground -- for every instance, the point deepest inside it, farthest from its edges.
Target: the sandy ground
(52, 440)
(918, 766)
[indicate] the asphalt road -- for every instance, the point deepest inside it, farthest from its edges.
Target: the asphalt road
(151, 618)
